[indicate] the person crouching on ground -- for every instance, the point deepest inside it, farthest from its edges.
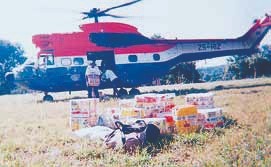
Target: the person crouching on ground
(93, 80)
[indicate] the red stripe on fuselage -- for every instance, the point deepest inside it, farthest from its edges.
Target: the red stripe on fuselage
(109, 27)
(77, 43)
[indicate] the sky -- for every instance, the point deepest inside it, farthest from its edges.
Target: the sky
(182, 19)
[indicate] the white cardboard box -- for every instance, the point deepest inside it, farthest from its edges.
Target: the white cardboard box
(83, 113)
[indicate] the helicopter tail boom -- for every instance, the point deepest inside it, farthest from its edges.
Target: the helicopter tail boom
(257, 32)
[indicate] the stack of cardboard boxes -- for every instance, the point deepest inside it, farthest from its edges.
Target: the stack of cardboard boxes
(198, 112)
(83, 113)
(209, 116)
(154, 105)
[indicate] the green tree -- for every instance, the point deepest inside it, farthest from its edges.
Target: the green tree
(182, 73)
(11, 55)
(256, 65)
(214, 73)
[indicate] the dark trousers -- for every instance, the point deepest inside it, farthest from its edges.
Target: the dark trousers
(95, 90)
(115, 84)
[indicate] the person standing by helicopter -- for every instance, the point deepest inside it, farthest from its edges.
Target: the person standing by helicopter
(93, 80)
(108, 74)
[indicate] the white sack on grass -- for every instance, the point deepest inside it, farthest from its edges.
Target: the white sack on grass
(101, 133)
(94, 133)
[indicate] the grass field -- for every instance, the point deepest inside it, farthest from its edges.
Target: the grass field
(37, 134)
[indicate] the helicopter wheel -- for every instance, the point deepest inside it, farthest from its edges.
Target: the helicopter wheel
(48, 98)
(122, 92)
(134, 92)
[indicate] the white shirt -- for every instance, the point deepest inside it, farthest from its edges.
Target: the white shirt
(110, 75)
(95, 70)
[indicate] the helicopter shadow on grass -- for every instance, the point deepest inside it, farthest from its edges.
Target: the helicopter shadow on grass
(179, 92)
(62, 100)
(104, 98)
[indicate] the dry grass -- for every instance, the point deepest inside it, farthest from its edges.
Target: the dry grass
(38, 134)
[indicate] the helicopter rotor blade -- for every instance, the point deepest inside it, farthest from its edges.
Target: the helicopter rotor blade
(114, 16)
(85, 13)
(119, 6)
(85, 17)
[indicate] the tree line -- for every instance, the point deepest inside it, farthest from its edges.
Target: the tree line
(241, 67)
(256, 65)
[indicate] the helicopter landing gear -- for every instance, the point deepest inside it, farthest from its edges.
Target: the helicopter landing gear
(122, 92)
(47, 97)
(134, 92)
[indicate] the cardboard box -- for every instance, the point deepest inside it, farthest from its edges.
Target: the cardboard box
(83, 113)
(186, 119)
(201, 100)
(212, 117)
(154, 105)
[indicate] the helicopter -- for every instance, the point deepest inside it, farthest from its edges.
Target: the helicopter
(136, 59)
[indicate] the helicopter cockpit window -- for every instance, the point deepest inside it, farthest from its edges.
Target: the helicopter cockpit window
(78, 61)
(66, 61)
(132, 58)
(46, 60)
(50, 60)
(42, 60)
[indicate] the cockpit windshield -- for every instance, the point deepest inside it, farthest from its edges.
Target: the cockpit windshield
(46, 59)
(42, 60)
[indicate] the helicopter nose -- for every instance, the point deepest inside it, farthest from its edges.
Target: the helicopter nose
(9, 76)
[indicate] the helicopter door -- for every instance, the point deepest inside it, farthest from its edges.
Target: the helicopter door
(103, 59)
(45, 60)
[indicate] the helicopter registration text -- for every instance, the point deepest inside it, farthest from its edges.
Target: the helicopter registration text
(209, 46)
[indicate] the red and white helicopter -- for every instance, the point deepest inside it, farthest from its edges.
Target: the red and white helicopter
(135, 59)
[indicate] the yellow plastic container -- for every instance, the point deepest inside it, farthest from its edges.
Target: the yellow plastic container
(186, 119)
